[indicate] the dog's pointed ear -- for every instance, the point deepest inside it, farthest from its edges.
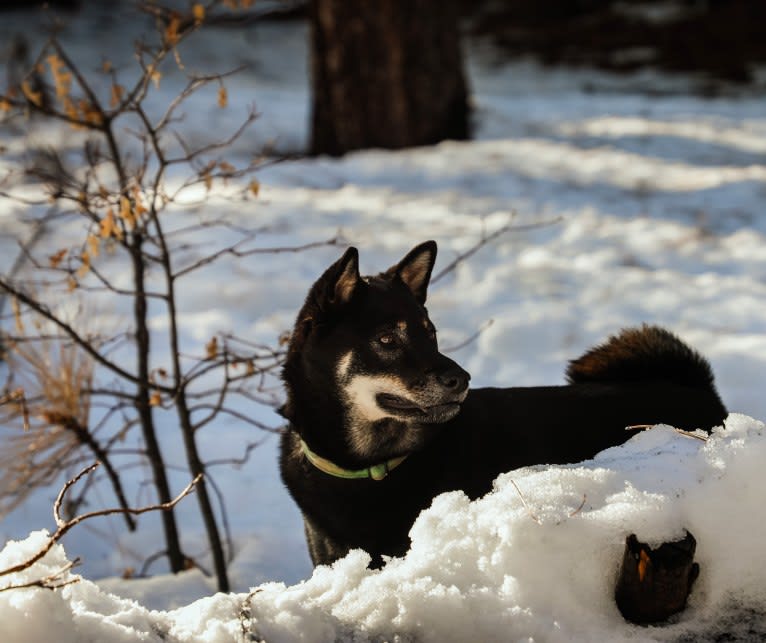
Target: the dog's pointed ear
(415, 269)
(342, 279)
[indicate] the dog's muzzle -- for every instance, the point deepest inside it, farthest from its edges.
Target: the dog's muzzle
(438, 401)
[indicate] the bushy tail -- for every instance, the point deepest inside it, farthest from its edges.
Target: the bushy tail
(646, 353)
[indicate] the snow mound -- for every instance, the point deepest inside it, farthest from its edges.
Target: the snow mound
(535, 560)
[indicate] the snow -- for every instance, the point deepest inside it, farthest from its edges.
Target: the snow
(539, 566)
(645, 206)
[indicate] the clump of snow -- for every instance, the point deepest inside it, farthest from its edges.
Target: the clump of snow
(82, 612)
(534, 560)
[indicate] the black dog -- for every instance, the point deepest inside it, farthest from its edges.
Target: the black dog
(381, 422)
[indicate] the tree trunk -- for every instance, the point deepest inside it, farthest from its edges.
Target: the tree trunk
(175, 555)
(386, 73)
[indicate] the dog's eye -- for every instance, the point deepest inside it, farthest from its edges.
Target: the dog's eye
(387, 339)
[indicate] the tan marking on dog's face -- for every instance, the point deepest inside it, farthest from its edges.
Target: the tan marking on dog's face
(344, 364)
(361, 390)
(401, 325)
(362, 409)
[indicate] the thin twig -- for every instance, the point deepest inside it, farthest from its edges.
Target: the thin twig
(689, 434)
(19, 397)
(235, 252)
(246, 620)
(579, 509)
(236, 462)
(524, 502)
(63, 526)
(534, 516)
(51, 581)
(488, 238)
(470, 338)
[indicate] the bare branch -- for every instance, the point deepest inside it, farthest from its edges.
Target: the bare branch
(524, 502)
(488, 238)
(51, 581)
(45, 312)
(471, 338)
(236, 462)
(18, 397)
(233, 413)
(63, 526)
(235, 252)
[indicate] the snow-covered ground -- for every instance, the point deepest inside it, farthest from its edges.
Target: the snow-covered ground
(650, 202)
(502, 568)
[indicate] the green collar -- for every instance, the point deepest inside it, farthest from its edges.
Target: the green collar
(376, 471)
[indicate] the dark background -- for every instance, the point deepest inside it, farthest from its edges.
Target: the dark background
(724, 38)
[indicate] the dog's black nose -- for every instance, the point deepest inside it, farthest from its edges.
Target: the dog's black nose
(454, 379)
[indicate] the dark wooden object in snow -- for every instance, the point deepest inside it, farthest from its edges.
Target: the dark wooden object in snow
(655, 583)
(385, 74)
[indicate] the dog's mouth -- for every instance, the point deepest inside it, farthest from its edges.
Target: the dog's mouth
(404, 407)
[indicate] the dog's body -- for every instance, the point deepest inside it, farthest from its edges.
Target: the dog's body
(370, 398)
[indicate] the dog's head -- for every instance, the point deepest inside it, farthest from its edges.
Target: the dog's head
(365, 347)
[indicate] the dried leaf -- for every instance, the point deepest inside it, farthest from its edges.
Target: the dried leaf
(94, 245)
(211, 348)
(155, 75)
(16, 307)
(63, 82)
(126, 211)
(5, 105)
(223, 97)
(171, 31)
(198, 11)
(54, 62)
(106, 66)
(90, 113)
(84, 269)
(71, 284)
(155, 399)
(117, 93)
(61, 78)
(55, 259)
(70, 110)
(36, 98)
(254, 187)
(109, 227)
(138, 203)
